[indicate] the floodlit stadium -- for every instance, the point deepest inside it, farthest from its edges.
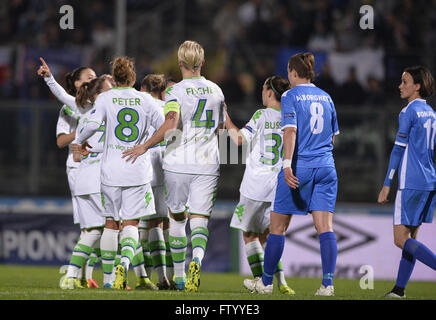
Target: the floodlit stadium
(138, 193)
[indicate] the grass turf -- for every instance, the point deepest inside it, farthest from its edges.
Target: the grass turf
(42, 283)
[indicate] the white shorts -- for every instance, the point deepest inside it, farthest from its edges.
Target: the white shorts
(127, 203)
(161, 209)
(71, 172)
(91, 212)
(197, 192)
(251, 215)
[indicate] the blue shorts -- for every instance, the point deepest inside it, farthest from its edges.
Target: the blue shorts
(317, 191)
(414, 207)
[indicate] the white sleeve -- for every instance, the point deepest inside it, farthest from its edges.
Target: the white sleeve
(98, 115)
(62, 126)
(156, 116)
(60, 92)
(249, 131)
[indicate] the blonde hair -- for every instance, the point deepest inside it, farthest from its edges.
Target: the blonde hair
(191, 55)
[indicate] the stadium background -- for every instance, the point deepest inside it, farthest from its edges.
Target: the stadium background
(245, 42)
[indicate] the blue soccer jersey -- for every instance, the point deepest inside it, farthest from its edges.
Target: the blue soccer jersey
(310, 110)
(416, 132)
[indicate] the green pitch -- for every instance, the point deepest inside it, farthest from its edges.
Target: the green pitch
(42, 283)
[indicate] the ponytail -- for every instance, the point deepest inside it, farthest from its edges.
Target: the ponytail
(87, 91)
(304, 65)
(278, 85)
(72, 77)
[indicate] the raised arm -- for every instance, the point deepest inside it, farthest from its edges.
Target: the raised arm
(58, 91)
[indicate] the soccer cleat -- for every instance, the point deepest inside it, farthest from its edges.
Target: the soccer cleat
(180, 284)
(173, 285)
(92, 284)
(256, 285)
(328, 291)
(164, 284)
(68, 283)
(285, 289)
(391, 294)
(84, 283)
(145, 284)
(193, 281)
(107, 286)
(120, 277)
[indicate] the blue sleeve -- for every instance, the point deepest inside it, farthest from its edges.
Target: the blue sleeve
(289, 115)
(394, 162)
(405, 123)
(335, 125)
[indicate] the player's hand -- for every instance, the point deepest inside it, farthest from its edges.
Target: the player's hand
(290, 179)
(44, 70)
(135, 152)
(84, 149)
(77, 155)
(383, 195)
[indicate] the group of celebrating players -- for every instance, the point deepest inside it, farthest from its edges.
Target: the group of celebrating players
(142, 163)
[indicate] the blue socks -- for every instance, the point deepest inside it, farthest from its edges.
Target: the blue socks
(273, 252)
(329, 252)
(413, 250)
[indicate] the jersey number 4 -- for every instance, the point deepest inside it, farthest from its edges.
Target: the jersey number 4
(196, 122)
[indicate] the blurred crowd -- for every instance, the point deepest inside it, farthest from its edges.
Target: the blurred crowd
(246, 31)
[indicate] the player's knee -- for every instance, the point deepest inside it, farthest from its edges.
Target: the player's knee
(399, 241)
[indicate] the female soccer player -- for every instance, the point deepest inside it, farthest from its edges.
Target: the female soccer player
(412, 154)
(87, 188)
(264, 138)
(308, 181)
(65, 131)
(195, 106)
(154, 229)
(125, 187)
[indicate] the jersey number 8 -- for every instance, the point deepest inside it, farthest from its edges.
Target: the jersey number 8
(316, 121)
(126, 130)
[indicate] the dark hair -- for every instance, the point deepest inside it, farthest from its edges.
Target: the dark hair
(422, 76)
(123, 71)
(154, 83)
(303, 64)
(72, 77)
(87, 90)
(278, 85)
(168, 80)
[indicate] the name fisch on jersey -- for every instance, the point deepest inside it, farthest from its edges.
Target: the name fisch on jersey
(423, 114)
(199, 91)
(313, 97)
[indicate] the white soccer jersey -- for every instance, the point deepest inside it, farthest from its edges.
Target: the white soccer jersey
(67, 123)
(264, 137)
(157, 153)
(195, 151)
(128, 115)
(88, 173)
